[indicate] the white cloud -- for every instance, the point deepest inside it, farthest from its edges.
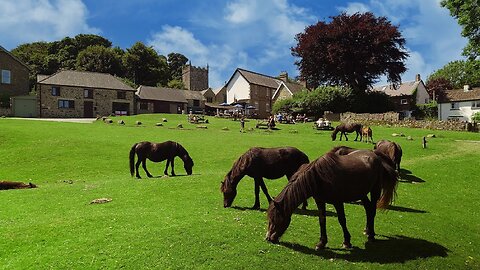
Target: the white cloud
(354, 7)
(34, 20)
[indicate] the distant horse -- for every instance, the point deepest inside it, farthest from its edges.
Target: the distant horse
(158, 152)
(335, 178)
(367, 134)
(259, 163)
(15, 185)
(347, 128)
(391, 150)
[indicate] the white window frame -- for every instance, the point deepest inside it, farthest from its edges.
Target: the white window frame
(403, 101)
(454, 106)
(476, 104)
(6, 76)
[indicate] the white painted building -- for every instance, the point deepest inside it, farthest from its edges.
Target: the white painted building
(459, 104)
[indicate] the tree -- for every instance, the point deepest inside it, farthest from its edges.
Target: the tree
(459, 73)
(467, 13)
(176, 84)
(476, 117)
(100, 59)
(175, 63)
(353, 50)
(144, 66)
(436, 87)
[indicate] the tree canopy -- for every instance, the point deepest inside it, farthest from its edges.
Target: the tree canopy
(467, 13)
(353, 50)
(459, 73)
(144, 66)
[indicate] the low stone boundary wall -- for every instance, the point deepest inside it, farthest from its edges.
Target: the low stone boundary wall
(392, 119)
(5, 112)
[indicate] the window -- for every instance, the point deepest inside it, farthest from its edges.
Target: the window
(143, 105)
(403, 101)
(66, 104)
(6, 76)
(476, 104)
(196, 102)
(55, 91)
(454, 106)
(121, 95)
(88, 93)
(209, 99)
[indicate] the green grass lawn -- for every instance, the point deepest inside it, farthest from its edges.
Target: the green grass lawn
(179, 222)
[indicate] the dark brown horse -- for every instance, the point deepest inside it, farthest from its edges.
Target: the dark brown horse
(259, 163)
(15, 185)
(336, 178)
(391, 150)
(347, 128)
(158, 152)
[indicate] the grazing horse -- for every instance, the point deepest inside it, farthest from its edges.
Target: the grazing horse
(15, 185)
(347, 128)
(367, 134)
(259, 163)
(158, 152)
(391, 150)
(336, 178)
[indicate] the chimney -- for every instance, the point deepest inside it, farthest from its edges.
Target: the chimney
(283, 76)
(466, 88)
(417, 78)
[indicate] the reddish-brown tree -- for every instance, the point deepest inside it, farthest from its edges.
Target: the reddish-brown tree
(353, 50)
(437, 86)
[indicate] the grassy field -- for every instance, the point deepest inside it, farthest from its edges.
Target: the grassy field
(179, 222)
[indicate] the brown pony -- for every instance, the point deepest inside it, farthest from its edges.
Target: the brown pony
(158, 152)
(391, 150)
(15, 185)
(347, 128)
(334, 178)
(367, 134)
(259, 163)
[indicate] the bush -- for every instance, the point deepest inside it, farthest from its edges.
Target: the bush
(426, 111)
(476, 117)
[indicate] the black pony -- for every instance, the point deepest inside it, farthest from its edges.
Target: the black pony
(259, 163)
(157, 152)
(341, 175)
(347, 128)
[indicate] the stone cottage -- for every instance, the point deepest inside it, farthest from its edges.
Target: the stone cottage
(168, 100)
(71, 94)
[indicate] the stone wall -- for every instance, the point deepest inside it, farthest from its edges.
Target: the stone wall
(19, 83)
(195, 78)
(103, 100)
(5, 111)
(392, 119)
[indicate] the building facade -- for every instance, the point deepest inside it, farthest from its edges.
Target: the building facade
(195, 78)
(459, 104)
(78, 94)
(168, 100)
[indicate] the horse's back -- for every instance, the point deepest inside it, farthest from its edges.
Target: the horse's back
(274, 163)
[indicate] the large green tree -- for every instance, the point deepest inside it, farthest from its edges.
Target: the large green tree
(353, 50)
(175, 63)
(459, 73)
(467, 13)
(144, 66)
(100, 59)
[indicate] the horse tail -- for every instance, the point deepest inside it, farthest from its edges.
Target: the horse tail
(389, 182)
(132, 159)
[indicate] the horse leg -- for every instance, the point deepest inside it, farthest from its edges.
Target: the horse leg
(137, 164)
(371, 210)
(265, 191)
(165, 172)
(144, 166)
(173, 166)
(356, 138)
(343, 222)
(322, 219)
(346, 138)
(256, 205)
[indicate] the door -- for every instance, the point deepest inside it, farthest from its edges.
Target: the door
(88, 109)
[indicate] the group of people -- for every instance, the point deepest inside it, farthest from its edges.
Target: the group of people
(290, 119)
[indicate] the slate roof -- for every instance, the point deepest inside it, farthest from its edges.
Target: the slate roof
(294, 87)
(167, 94)
(460, 95)
(257, 78)
(405, 89)
(216, 91)
(86, 79)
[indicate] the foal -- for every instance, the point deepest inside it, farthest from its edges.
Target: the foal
(367, 134)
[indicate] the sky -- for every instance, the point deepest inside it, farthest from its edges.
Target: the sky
(227, 34)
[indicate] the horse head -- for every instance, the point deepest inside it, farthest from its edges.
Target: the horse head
(334, 134)
(229, 193)
(278, 222)
(188, 164)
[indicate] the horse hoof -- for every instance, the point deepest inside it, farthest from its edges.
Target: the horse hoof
(347, 245)
(320, 246)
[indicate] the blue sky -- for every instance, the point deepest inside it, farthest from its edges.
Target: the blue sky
(251, 34)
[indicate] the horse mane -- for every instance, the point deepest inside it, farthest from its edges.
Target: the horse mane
(304, 183)
(238, 168)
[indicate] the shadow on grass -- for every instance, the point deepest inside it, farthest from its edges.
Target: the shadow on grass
(391, 249)
(406, 176)
(298, 211)
(397, 208)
